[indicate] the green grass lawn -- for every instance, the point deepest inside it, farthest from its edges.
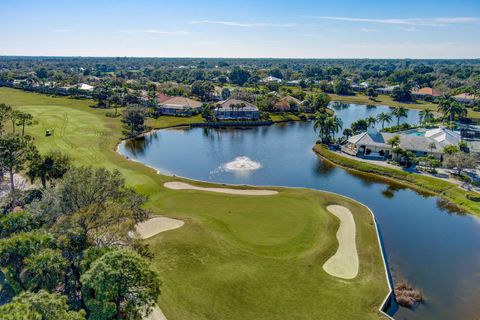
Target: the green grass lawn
(236, 257)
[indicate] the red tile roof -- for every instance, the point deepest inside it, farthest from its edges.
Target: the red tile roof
(428, 91)
(161, 97)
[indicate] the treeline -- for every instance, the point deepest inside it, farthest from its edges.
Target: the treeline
(68, 245)
(445, 74)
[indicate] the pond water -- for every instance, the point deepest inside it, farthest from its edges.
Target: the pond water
(428, 244)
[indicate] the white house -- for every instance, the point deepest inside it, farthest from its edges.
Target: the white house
(271, 79)
(233, 109)
(386, 90)
(466, 98)
(85, 87)
(373, 144)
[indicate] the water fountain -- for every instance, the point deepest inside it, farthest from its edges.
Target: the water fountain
(241, 164)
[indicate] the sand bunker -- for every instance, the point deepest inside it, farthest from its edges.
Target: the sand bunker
(185, 186)
(156, 225)
(344, 263)
(156, 314)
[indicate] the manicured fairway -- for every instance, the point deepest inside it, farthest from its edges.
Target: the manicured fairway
(237, 256)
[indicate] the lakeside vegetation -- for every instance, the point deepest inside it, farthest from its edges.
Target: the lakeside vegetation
(386, 100)
(237, 257)
(465, 200)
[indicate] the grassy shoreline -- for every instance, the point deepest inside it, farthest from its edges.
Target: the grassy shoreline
(236, 257)
(385, 100)
(446, 190)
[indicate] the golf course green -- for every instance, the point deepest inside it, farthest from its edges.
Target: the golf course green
(236, 256)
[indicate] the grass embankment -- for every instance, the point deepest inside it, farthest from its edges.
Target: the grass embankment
(446, 190)
(236, 257)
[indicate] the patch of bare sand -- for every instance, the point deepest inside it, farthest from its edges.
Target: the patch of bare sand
(175, 185)
(344, 263)
(156, 314)
(156, 225)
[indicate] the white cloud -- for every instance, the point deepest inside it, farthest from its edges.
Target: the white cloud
(430, 22)
(368, 30)
(244, 24)
(154, 31)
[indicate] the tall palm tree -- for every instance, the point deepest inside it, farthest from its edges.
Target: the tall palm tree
(399, 112)
(426, 115)
(451, 108)
(371, 121)
(320, 125)
(327, 126)
(384, 117)
(334, 124)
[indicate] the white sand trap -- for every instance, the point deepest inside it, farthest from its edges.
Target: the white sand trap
(344, 263)
(156, 225)
(156, 314)
(175, 185)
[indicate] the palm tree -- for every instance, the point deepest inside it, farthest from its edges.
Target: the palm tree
(426, 115)
(320, 125)
(371, 121)
(384, 117)
(432, 146)
(395, 142)
(334, 124)
(399, 112)
(347, 133)
(327, 126)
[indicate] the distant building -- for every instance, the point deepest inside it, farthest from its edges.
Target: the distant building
(425, 92)
(85, 87)
(179, 106)
(466, 98)
(293, 83)
(233, 109)
(386, 90)
(361, 87)
(271, 79)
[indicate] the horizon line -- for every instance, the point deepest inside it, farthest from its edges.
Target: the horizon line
(224, 57)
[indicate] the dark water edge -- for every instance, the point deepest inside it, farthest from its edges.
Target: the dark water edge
(429, 244)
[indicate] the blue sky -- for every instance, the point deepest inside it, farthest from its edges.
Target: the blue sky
(282, 28)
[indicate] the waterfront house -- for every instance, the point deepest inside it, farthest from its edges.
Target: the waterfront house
(180, 106)
(421, 93)
(386, 90)
(234, 109)
(374, 145)
(288, 104)
(465, 98)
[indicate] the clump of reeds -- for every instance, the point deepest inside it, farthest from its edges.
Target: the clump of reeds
(407, 296)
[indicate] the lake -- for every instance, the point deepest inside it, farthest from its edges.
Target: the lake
(428, 244)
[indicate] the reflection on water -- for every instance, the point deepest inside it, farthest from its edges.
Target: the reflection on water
(429, 244)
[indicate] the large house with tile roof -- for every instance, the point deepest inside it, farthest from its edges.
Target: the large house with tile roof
(180, 106)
